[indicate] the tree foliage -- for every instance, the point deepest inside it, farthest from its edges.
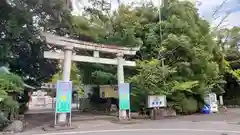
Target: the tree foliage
(188, 51)
(193, 62)
(10, 86)
(228, 40)
(178, 56)
(9, 83)
(21, 47)
(153, 78)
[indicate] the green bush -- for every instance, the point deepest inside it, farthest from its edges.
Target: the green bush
(138, 102)
(183, 104)
(189, 105)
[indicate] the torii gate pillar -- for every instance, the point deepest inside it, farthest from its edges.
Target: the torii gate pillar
(120, 76)
(67, 72)
(67, 63)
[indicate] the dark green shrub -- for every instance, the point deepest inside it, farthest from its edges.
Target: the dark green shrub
(183, 104)
(189, 105)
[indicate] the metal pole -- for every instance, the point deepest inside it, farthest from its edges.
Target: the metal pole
(70, 115)
(160, 19)
(160, 32)
(55, 118)
(163, 71)
(66, 75)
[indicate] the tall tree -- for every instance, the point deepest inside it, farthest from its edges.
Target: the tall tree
(228, 40)
(187, 48)
(21, 47)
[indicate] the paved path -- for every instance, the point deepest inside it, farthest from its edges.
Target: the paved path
(216, 124)
(170, 127)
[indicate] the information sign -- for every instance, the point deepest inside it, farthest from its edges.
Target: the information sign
(157, 101)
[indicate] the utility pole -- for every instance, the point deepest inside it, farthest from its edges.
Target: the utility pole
(160, 32)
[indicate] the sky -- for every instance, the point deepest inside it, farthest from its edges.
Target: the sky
(206, 10)
(207, 7)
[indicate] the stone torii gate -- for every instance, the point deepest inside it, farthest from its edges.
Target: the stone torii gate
(68, 57)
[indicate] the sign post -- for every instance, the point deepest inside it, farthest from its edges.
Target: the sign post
(124, 97)
(156, 102)
(63, 99)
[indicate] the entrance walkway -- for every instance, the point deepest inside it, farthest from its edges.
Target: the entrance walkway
(38, 120)
(221, 123)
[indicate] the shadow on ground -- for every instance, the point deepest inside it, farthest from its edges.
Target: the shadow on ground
(40, 119)
(37, 120)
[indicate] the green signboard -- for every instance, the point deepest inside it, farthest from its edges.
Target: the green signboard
(64, 97)
(124, 96)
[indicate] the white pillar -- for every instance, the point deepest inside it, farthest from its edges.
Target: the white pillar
(66, 75)
(67, 63)
(120, 74)
(221, 100)
(96, 54)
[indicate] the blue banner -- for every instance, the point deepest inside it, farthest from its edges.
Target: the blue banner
(124, 96)
(64, 97)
